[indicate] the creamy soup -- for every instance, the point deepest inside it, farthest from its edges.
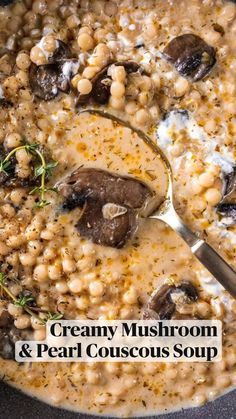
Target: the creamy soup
(73, 248)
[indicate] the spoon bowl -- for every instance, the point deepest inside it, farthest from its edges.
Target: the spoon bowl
(165, 211)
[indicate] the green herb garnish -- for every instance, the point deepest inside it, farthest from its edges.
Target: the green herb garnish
(52, 316)
(43, 170)
(23, 302)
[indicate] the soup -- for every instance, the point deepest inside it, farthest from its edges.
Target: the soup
(72, 246)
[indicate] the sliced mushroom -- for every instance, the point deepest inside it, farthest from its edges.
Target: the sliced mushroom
(62, 52)
(227, 206)
(93, 189)
(228, 211)
(101, 82)
(229, 182)
(47, 80)
(44, 80)
(162, 304)
(191, 56)
(8, 336)
(6, 2)
(4, 103)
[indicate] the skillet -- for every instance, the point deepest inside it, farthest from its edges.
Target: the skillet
(16, 405)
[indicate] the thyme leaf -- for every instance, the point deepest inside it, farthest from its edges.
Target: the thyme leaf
(52, 316)
(24, 302)
(42, 203)
(43, 170)
(2, 278)
(5, 166)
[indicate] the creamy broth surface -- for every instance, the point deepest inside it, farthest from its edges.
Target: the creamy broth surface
(41, 250)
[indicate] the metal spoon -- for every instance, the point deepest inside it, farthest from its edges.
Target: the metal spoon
(165, 212)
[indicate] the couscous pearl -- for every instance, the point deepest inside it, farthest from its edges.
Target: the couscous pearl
(23, 61)
(100, 56)
(84, 86)
(85, 41)
(68, 265)
(35, 247)
(61, 287)
(156, 80)
(41, 273)
(22, 322)
(142, 116)
(196, 188)
(92, 377)
(118, 73)
(213, 196)
(27, 259)
(46, 235)
(14, 310)
(110, 8)
(206, 179)
(54, 272)
(37, 324)
(13, 140)
(49, 43)
(117, 89)
(23, 157)
(89, 72)
(37, 56)
(82, 302)
(96, 288)
(181, 86)
(130, 296)
(39, 335)
(88, 249)
(75, 284)
(117, 103)
(131, 107)
(73, 21)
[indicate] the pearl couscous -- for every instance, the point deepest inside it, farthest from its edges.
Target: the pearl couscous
(132, 58)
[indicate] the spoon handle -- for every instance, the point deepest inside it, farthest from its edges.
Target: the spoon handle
(217, 266)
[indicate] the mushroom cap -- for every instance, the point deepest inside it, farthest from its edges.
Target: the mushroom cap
(190, 55)
(162, 306)
(8, 336)
(93, 189)
(6, 2)
(47, 80)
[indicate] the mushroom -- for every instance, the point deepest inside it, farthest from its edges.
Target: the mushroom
(5, 104)
(162, 304)
(8, 335)
(191, 56)
(111, 204)
(6, 2)
(47, 80)
(101, 82)
(226, 207)
(227, 210)
(62, 52)
(229, 182)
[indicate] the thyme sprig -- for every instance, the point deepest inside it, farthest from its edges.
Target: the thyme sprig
(43, 170)
(52, 316)
(24, 301)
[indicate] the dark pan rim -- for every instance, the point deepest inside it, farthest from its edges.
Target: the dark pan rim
(17, 405)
